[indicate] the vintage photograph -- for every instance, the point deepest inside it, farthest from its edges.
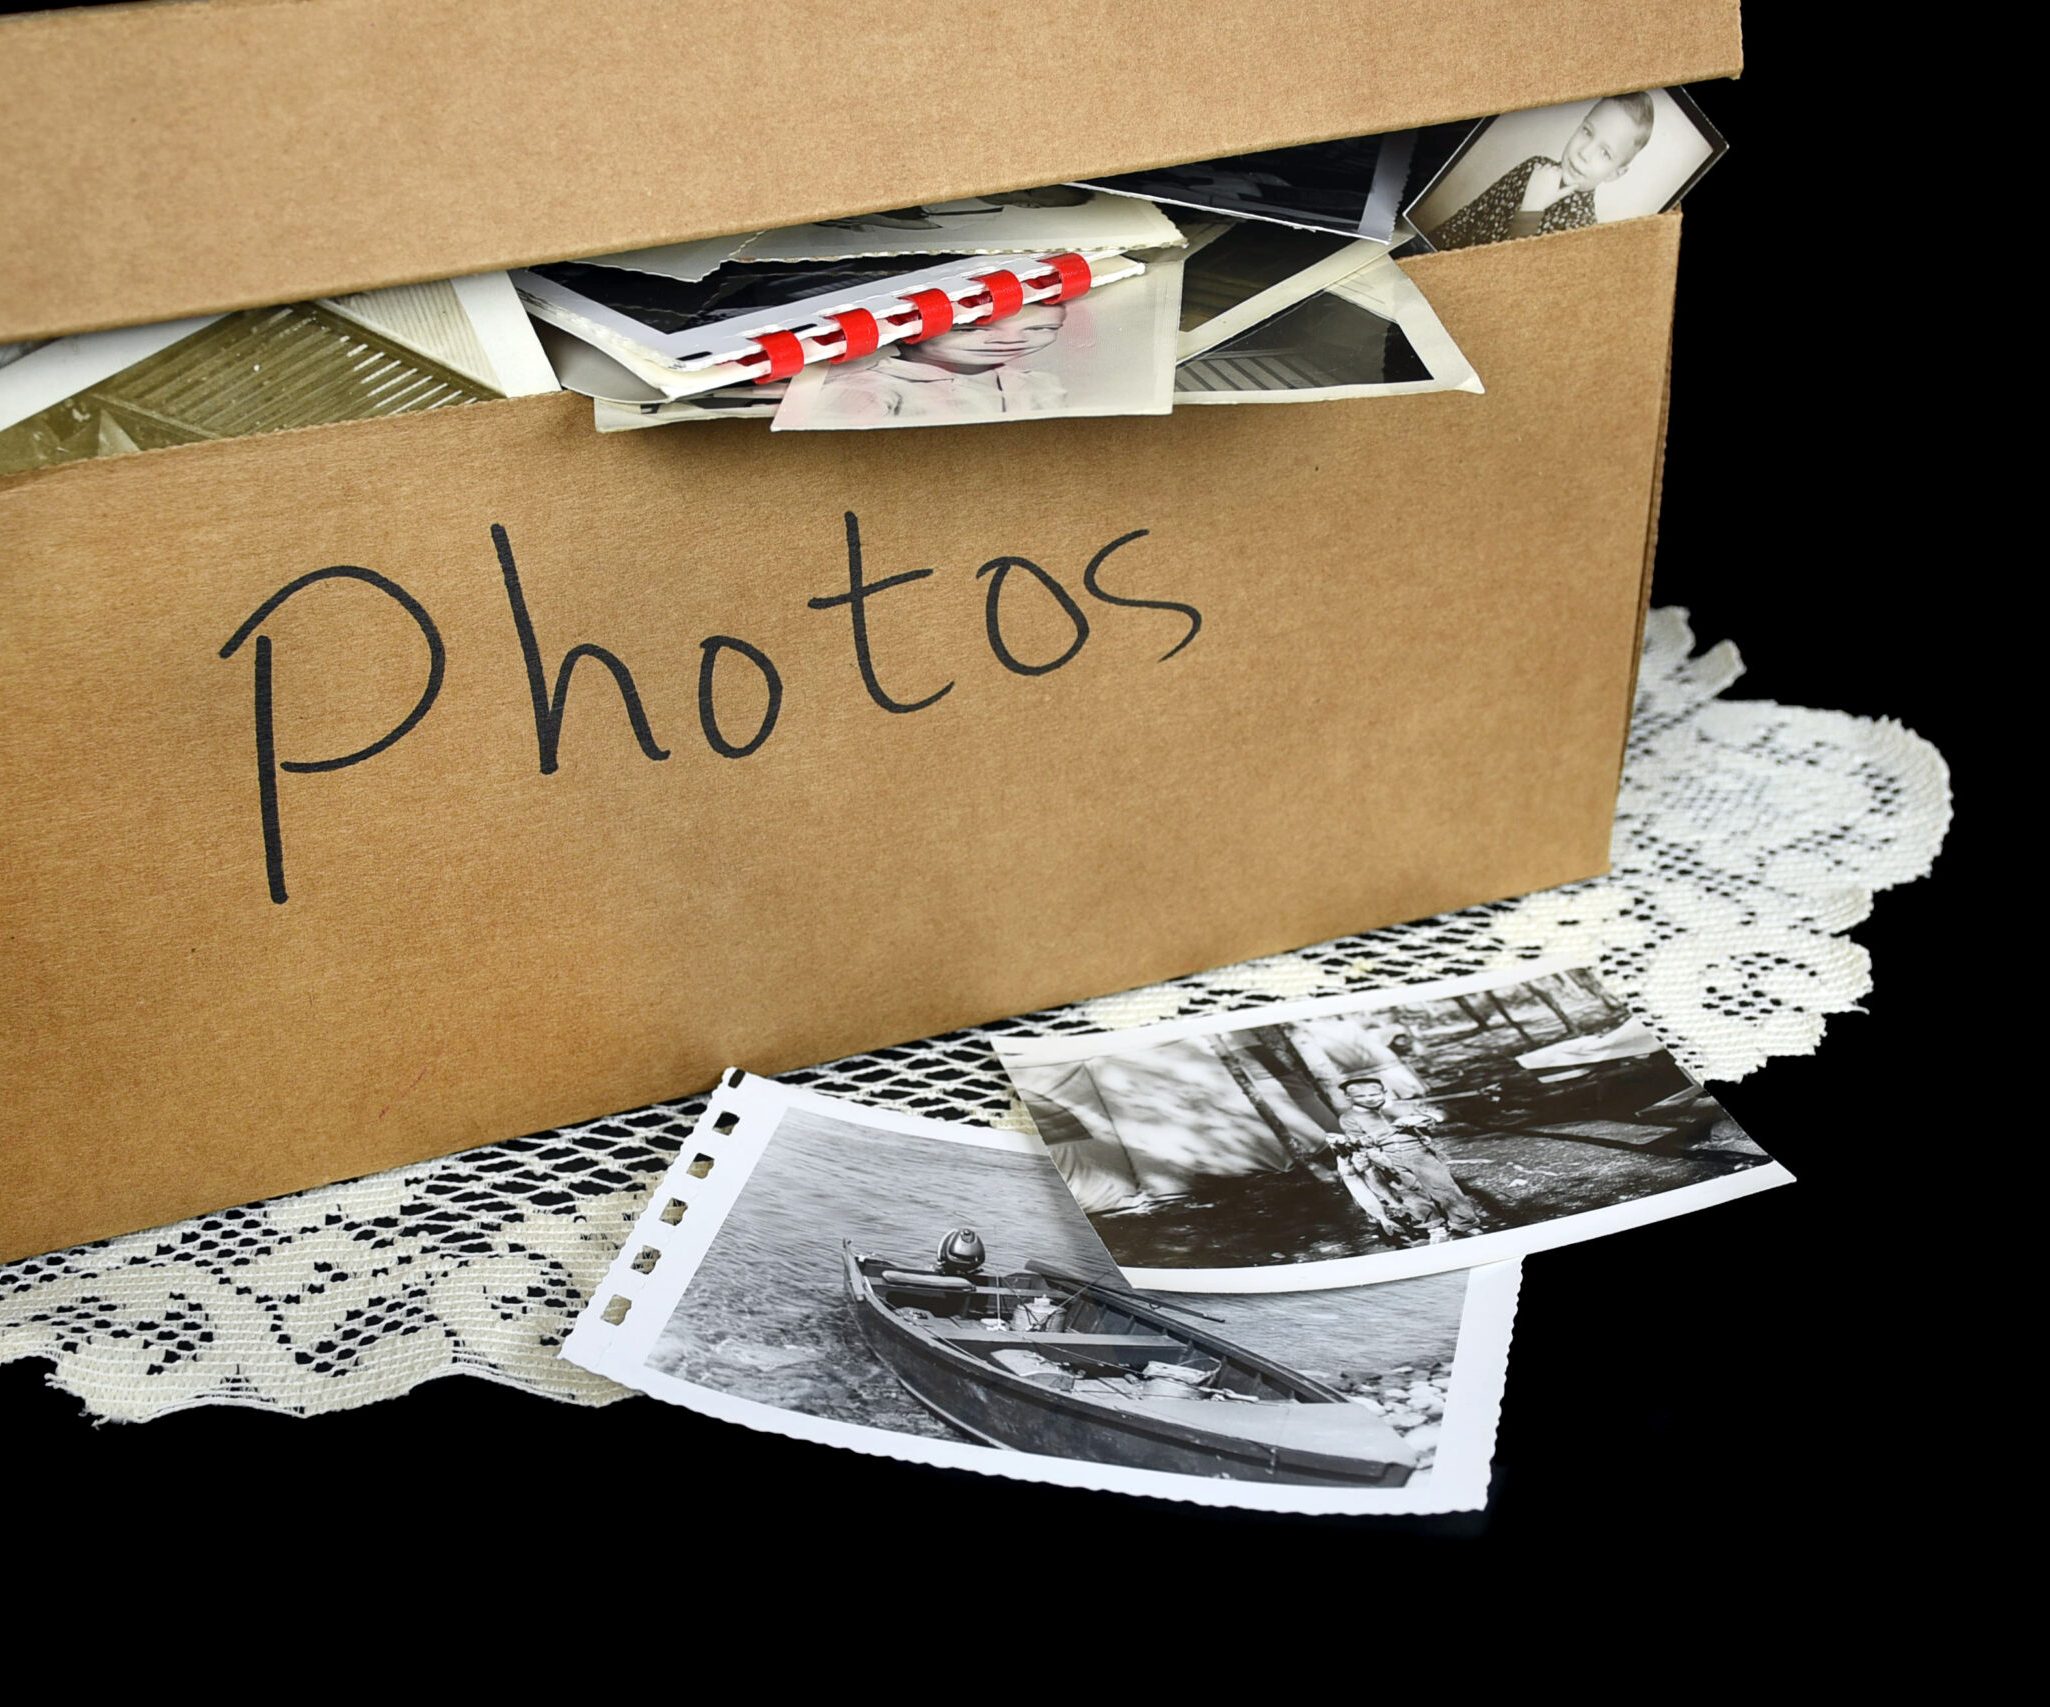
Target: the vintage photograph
(1237, 273)
(1369, 334)
(1110, 352)
(1353, 187)
(931, 1291)
(1399, 1132)
(685, 262)
(1058, 218)
(1559, 168)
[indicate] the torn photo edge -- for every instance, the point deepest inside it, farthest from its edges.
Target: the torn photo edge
(686, 263)
(1403, 1263)
(1383, 289)
(1379, 211)
(619, 1326)
(1103, 225)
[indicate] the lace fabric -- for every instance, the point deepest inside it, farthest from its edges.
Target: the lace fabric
(1749, 837)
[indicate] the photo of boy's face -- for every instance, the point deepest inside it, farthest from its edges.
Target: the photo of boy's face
(1367, 1094)
(1603, 147)
(976, 349)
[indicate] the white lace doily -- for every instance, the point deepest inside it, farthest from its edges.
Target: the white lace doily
(1749, 837)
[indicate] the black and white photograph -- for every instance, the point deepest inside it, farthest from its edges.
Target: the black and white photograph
(1239, 272)
(1357, 1138)
(929, 1290)
(1369, 333)
(1109, 352)
(1560, 168)
(1053, 220)
(685, 262)
(1353, 186)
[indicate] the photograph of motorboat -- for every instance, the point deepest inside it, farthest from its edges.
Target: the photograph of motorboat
(1045, 1360)
(831, 1280)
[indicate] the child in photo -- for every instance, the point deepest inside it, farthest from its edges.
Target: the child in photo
(1392, 1168)
(971, 373)
(1541, 194)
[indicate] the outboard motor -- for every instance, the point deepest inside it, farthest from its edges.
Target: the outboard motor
(961, 1252)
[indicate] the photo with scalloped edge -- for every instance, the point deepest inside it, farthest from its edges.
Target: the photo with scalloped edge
(929, 1291)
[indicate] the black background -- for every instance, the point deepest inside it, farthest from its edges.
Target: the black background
(1697, 1407)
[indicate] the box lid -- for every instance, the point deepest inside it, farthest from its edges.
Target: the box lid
(176, 159)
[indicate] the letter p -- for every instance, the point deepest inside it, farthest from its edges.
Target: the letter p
(268, 764)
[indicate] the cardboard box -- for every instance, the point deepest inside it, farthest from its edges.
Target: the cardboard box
(275, 913)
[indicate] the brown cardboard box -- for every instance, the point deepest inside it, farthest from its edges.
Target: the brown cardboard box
(1409, 690)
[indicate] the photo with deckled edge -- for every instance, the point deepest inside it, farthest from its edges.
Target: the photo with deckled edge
(1353, 186)
(798, 1295)
(1058, 218)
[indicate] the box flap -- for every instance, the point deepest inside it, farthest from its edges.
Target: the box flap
(177, 159)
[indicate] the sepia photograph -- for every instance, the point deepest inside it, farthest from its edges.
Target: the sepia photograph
(1370, 333)
(1353, 187)
(931, 1291)
(1560, 168)
(1110, 352)
(1399, 1132)
(1058, 218)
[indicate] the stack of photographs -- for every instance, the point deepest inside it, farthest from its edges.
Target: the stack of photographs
(666, 326)
(1264, 278)
(1267, 1259)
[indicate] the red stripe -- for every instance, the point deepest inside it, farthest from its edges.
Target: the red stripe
(935, 314)
(862, 333)
(1006, 293)
(1074, 275)
(785, 353)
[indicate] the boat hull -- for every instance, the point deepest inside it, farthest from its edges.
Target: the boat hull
(991, 1405)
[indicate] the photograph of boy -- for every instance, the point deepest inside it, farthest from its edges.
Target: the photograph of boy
(1562, 168)
(973, 373)
(1108, 353)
